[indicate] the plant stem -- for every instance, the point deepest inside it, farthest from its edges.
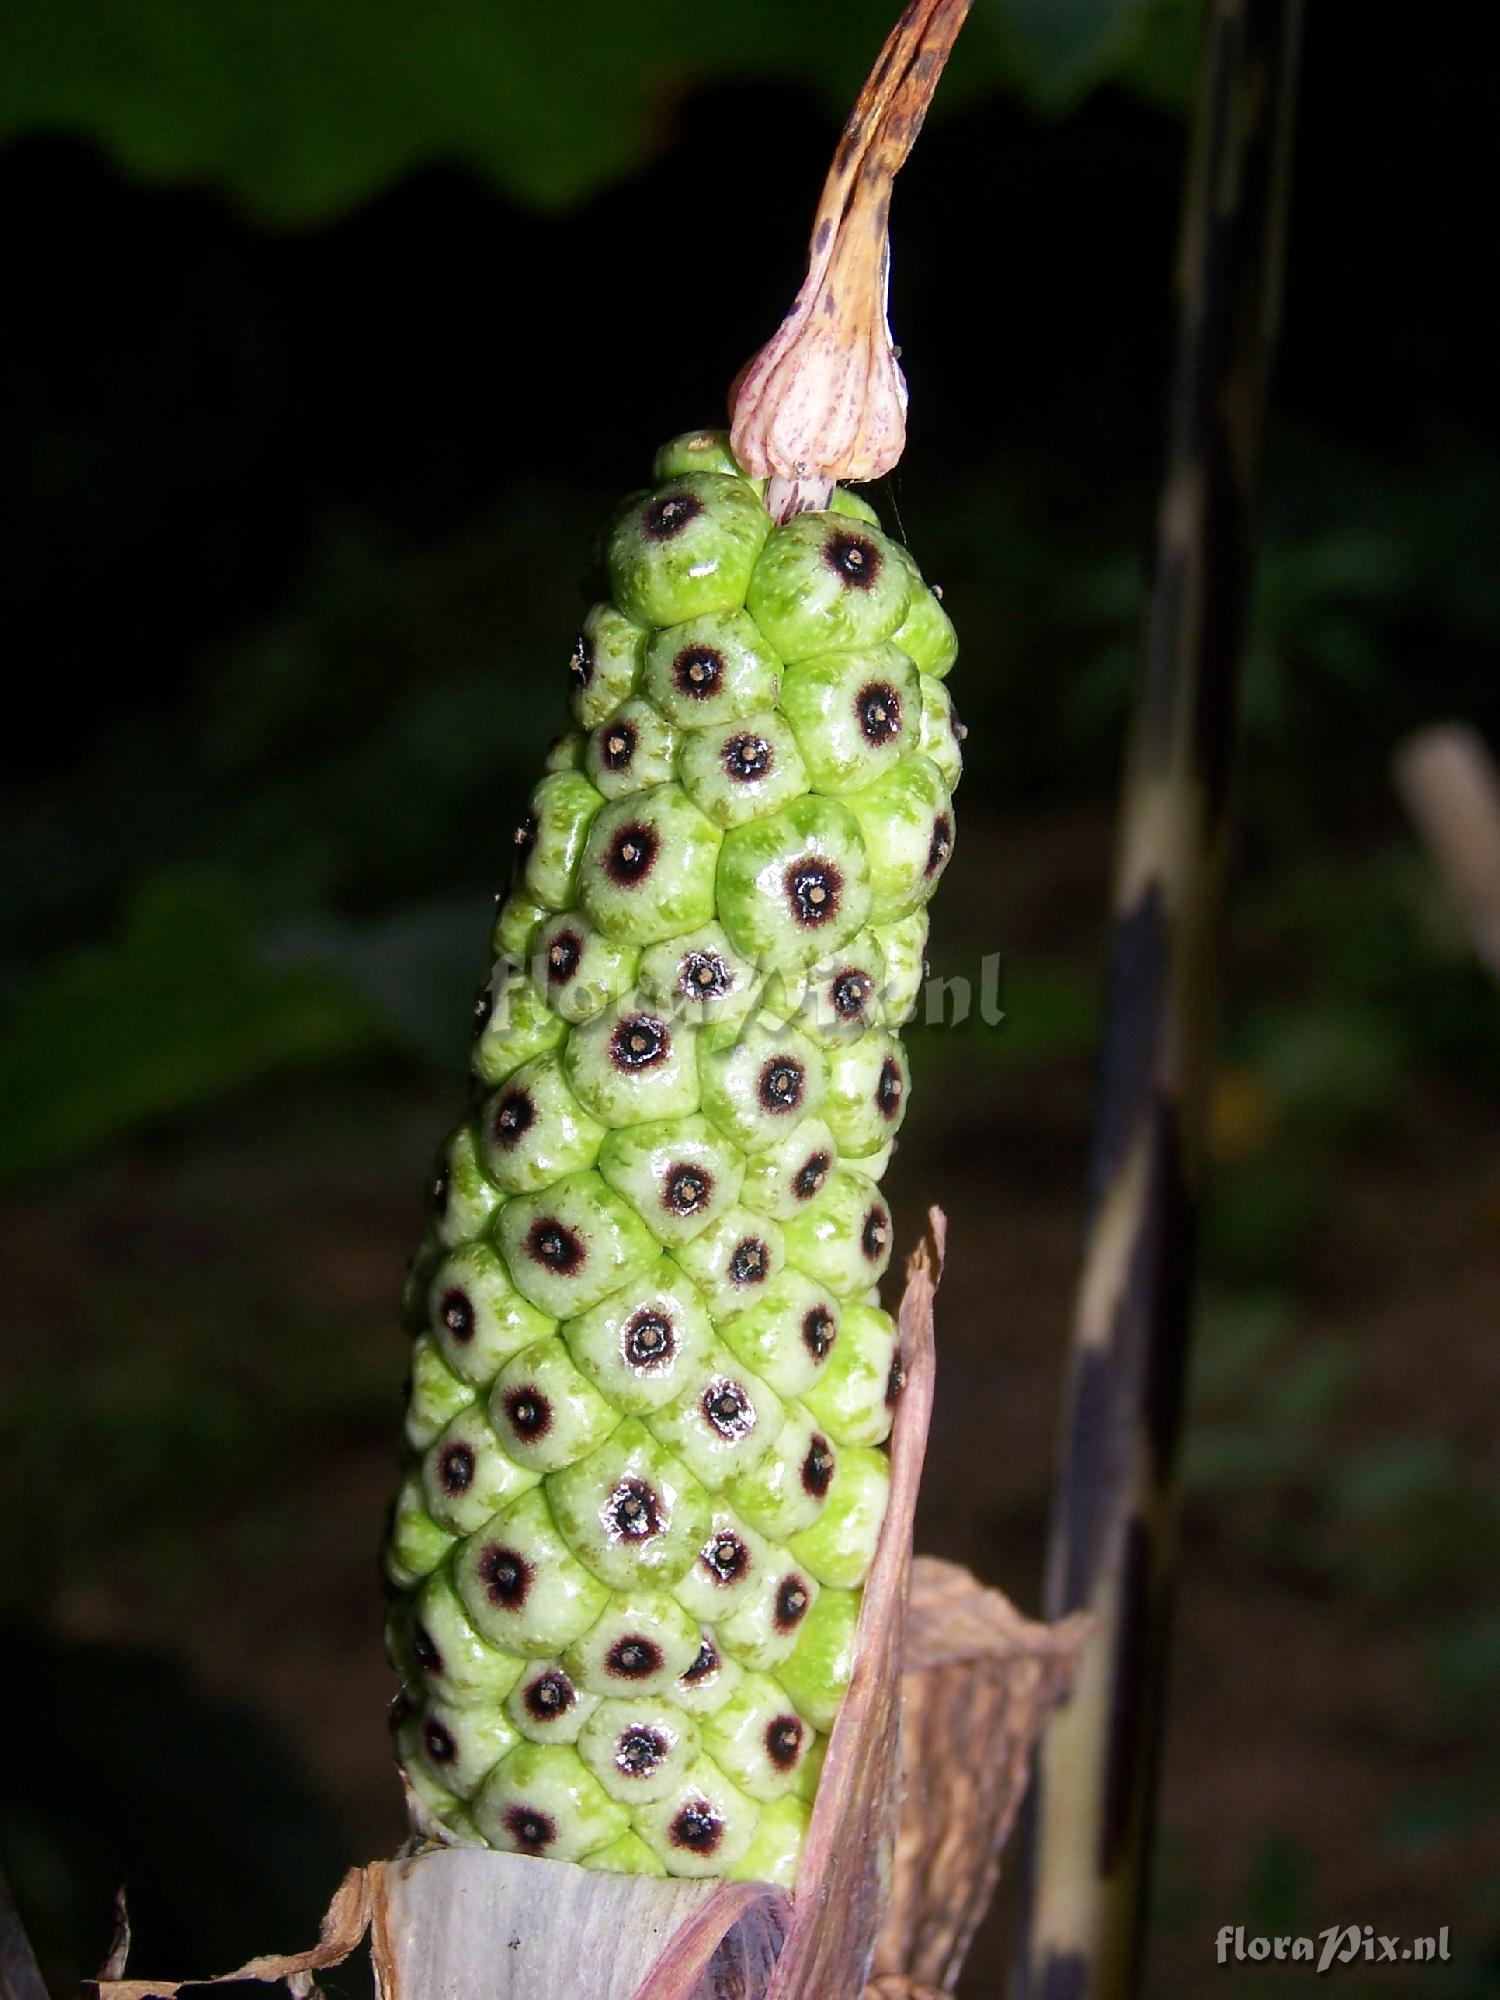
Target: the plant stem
(1110, 1548)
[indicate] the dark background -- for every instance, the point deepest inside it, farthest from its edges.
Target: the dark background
(331, 339)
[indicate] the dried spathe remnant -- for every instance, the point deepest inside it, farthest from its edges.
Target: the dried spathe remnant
(651, 1379)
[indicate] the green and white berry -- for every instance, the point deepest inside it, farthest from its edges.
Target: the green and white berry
(651, 1380)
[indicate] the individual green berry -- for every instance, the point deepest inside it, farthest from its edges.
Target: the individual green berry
(758, 1739)
(866, 1098)
(853, 505)
(434, 1393)
(633, 1062)
(478, 1317)
(855, 1397)
(744, 770)
(760, 1087)
(793, 886)
(576, 969)
(942, 733)
(573, 1244)
(545, 1412)
(638, 1748)
(702, 1826)
(709, 671)
(521, 1586)
(516, 918)
(547, 1706)
(517, 1025)
(534, 1130)
(723, 1423)
(904, 944)
(643, 1345)
(630, 1510)
(640, 1643)
(466, 1477)
(734, 1259)
(725, 1569)
(709, 1682)
(463, 1197)
(608, 655)
(565, 753)
(550, 839)
(460, 1746)
(823, 583)
(415, 1543)
(786, 1175)
(784, 1491)
(906, 822)
(649, 866)
(844, 994)
(853, 714)
(817, 1672)
(454, 1660)
(840, 1545)
(687, 549)
(776, 1851)
(679, 1174)
(700, 978)
(762, 1631)
(542, 1799)
(926, 633)
(695, 451)
(631, 750)
(788, 1334)
(843, 1236)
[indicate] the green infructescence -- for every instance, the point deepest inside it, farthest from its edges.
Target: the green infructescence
(651, 1376)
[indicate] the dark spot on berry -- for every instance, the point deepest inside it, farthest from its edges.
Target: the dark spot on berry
(746, 758)
(854, 559)
(782, 1084)
(851, 993)
(697, 1827)
(506, 1576)
(563, 955)
(942, 843)
(810, 1176)
(817, 1467)
(424, 1650)
(532, 1831)
(703, 975)
(525, 836)
(456, 1311)
(634, 1659)
(552, 1243)
(438, 1742)
(878, 708)
(617, 746)
(632, 855)
(872, 1238)
(456, 1468)
(888, 1089)
(697, 672)
(728, 1409)
(528, 1412)
(814, 888)
(725, 1557)
(484, 1007)
(639, 1750)
(748, 1262)
(792, 1600)
(650, 1341)
(688, 1189)
(895, 1382)
(817, 1332)
(668, 514)
(581, 663)
(783, 1741)
(706, 1663)
(549, 1696)
(515, 1115)
(639, 1042)
(634, 1511)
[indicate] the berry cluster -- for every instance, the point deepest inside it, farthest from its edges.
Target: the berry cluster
(651, 1375)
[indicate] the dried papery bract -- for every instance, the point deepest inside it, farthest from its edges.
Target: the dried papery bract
(825, 400)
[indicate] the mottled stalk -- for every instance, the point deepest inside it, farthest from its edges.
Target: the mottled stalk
(1110, 1552)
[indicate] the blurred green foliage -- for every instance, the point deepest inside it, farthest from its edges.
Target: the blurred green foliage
(301, 111)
